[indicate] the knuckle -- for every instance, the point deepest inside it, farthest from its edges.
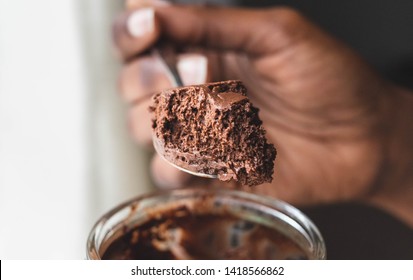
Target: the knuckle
(286, 17)
(287, 24)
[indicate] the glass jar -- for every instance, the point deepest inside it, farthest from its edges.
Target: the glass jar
(200, 204)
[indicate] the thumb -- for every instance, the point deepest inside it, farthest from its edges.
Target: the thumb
(255, 32)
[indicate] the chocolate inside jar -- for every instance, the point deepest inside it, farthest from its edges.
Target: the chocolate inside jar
(183, 233)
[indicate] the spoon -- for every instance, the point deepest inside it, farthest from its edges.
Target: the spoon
(167, 57)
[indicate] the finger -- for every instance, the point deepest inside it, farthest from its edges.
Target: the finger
(141, 78)
(140, 123)
(136, 4)
(147, 75)
(134, 31)
(194, 69)
(253, 31)
(139, 28)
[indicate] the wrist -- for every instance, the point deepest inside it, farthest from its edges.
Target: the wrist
(394, 187)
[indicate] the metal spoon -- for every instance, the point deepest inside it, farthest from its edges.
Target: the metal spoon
(167, 56)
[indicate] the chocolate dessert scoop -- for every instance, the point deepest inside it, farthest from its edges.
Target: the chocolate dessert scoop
(212, 130)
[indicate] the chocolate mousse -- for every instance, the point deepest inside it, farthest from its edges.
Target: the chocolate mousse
(183, 234)
(213, 129)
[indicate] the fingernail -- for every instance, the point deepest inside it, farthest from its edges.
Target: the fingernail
(141, 22)
(193, 68)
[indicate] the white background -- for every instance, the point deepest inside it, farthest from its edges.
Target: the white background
(65, 154)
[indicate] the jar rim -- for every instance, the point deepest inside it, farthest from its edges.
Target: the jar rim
(276, 206)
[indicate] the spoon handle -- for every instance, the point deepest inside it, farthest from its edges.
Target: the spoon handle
(167, 56)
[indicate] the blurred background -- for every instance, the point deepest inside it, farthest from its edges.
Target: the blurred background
(65, 153)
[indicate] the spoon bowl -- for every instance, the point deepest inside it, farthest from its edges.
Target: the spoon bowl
(159, 148)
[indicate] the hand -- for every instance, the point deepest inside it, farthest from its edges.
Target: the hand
(330, 116)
